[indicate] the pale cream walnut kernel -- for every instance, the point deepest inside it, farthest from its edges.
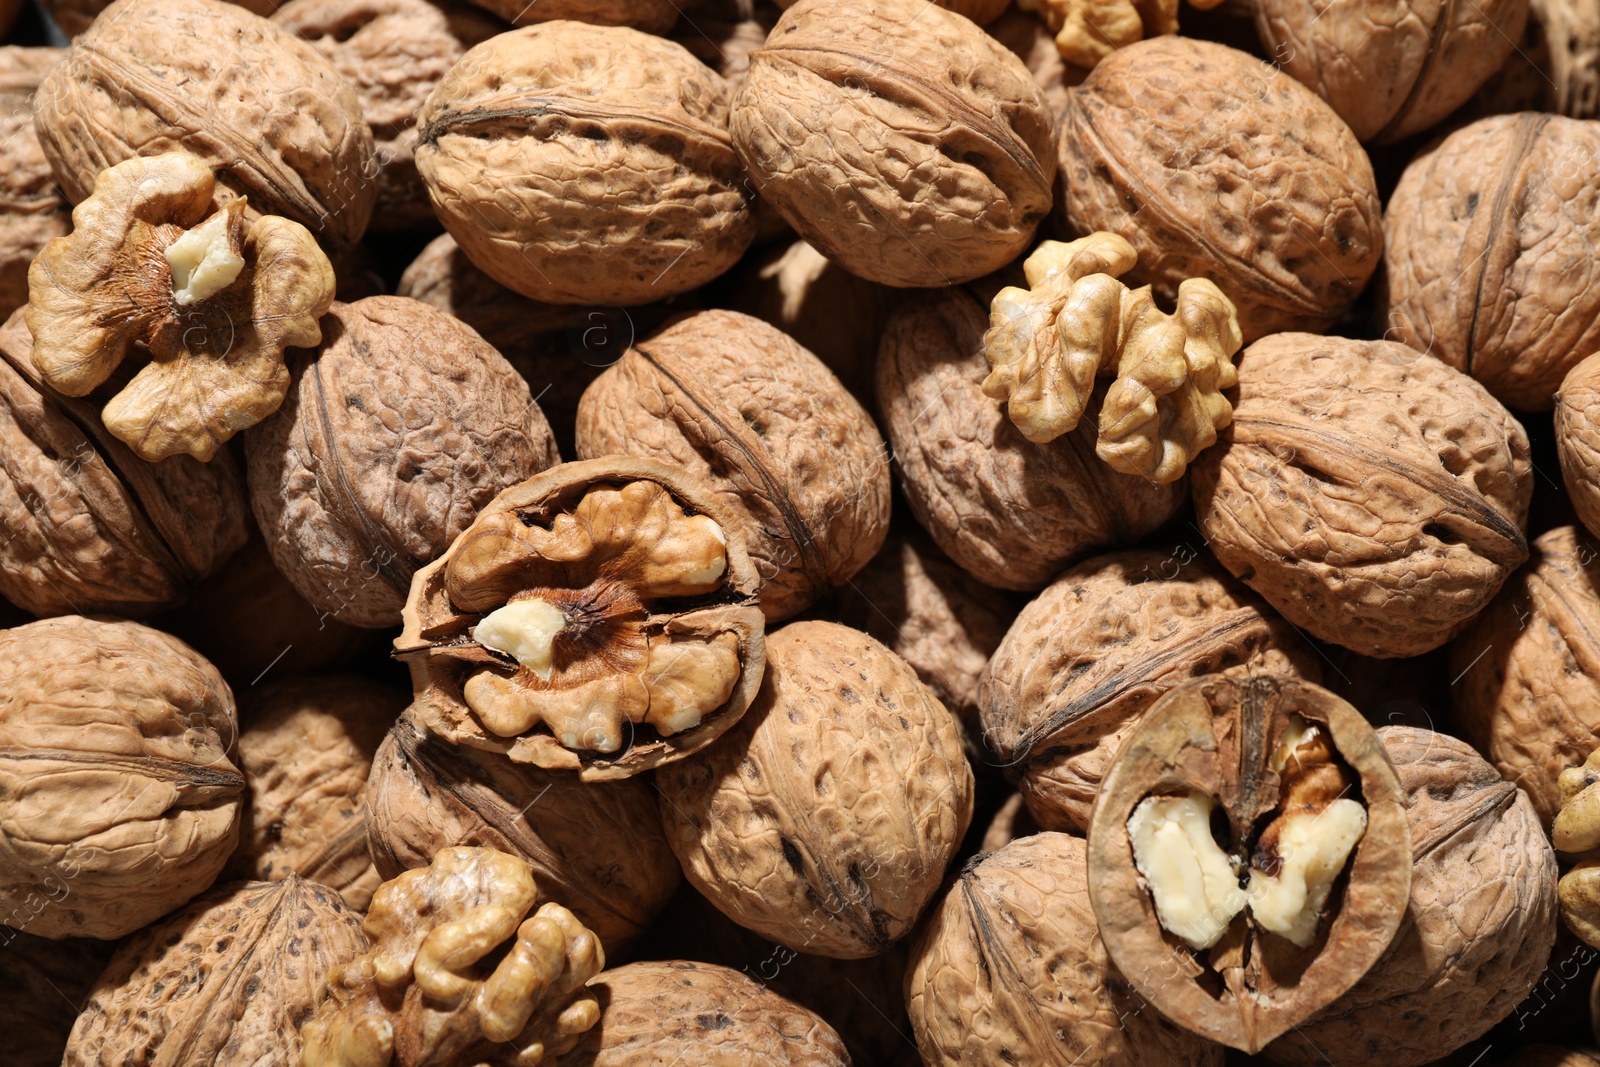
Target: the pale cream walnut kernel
(1576, 831)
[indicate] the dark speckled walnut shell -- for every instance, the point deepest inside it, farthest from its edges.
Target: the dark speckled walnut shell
(1373, 495)
(1578, 439)
(47, 984)
(395, 432)
(32, 210)
(1216, 165)
(1011, 512)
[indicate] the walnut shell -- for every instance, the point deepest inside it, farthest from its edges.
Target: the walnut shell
(1010, 969)
(47, 984)
(578, 164)
(899, 139)
(1088, 657)
(162, 78)
(828, 817)
(1577, 423)
(1011, 512)
(652, 16)
(1483, 231)
(402, 425)
(1477, 932)
(1031, 39)
(227, 980)
(1011, 822)
(75, 16)
(1373, 495)
(118, 801)
(32, 209)
(1215, 165)
(770, 430)
(596, 847)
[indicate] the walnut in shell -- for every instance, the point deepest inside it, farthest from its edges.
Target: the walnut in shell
(261, 108)
(595, 847)
(462, 970)
(1215, 165)
(828, 817)
(769, 429)
(578, 164)
(899, 139)
(1373, 495)
(396, 431)
(75, 16)
(47, 985)
(1577, 424)
(32, 210)
(1559, 57)
(227, 980)
(1010, 968)
(600, 617)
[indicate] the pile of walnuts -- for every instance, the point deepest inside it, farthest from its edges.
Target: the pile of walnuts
(607, 533)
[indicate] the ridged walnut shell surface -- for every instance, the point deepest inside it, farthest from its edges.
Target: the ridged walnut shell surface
(578, 164)
(89, 526)
(1374, 496)
(769, 429)
(1012, 513)
(47, 984)
(227, 980)
(1216, 165)
(652, 16)
(32, 209)
(1478, 929)
(1088, 657)
(898, 138)
(395, 432)
(75, 16)
(118, 798)
(1010, 969)
(1489, 261)
(1527, 693)
(826, 819)
(263, 109)
(1391, 68)
(1577, 422)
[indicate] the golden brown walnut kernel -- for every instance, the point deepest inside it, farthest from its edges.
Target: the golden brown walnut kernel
(1089, 30)
(118, 797)
(47, 986)
(462, 970)
(227, 980)
(600, 617)
(157, 265)
(1577, 424)
(1074, 322)
(827, 819)
(1551, 1056)
(32, 209)
(1576, 830)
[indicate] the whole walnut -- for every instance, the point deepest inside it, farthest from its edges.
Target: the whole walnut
(118, 798)
(1012, 513)
(770, 430)
(1371, 494)
(1392, 68)
(652, 16)
(395, 432)
(227, 980)
(595, 847)
(1477, 932)
(1483, 232)
(32, 209)
(1577, 424)
(1085, 660)
(578, 164)
(900, 140)
(1524, 694)
(88, 526)
(75, 16)
(1010, 968)
(47, 984)
(1215, 165)
(827, 818)
(199, 75)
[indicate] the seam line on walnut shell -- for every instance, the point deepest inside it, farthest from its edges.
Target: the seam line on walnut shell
(1445, 20)
(1501, 795)
(983, 935)
(561, 108)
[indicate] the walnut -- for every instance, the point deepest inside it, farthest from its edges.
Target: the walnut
(1245, 803)
(32, 210)
(595, 847)
(771, 431)
(47, 984)
(1551, 1056)
(88, 526)
(395, 432)
(1524, 694)
(828, 817)
(1577, 425)
(1483, 231)
(462, 970)
(157, 266)
(75, 16)
(1085, 660)
(1477, 931)
(600, 617)
(1556, 65)
(1214, 165)
(900, 140)
(118, 800)
(1373, 495)
(1012, 821)
(1012, 513)
(1010, 968)
(1089, 30)
(228, 979)
(197, 75)
(1576, 830)
(578, 164)
(652, 16)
